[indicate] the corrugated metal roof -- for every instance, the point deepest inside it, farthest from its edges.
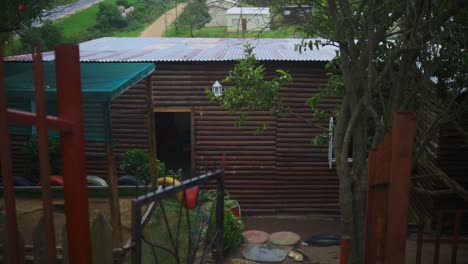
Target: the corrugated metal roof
(248, 11)
(111, 49)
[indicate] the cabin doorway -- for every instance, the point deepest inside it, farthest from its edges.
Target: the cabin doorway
(174, 140)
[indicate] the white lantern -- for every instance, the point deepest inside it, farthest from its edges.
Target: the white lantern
(217, 89)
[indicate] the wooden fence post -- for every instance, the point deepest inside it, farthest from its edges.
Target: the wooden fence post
(403, 133)
(101, 236)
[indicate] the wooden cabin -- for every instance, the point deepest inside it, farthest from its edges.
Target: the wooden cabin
(276, 172)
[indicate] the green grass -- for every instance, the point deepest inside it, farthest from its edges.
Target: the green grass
(64, 2)
(221, 32)
(157, 233)
(77, 25)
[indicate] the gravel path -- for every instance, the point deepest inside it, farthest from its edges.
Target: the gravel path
(159, 26)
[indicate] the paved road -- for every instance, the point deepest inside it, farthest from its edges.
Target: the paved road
(159, 26)
(66, 10)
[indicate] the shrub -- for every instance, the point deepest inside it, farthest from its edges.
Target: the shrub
(136, 162)
(233, 238)
(123, 3)
(47, 36)
(31, 152)
(108, 17)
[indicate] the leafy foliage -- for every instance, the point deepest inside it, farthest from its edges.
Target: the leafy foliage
(108, 17)
(248, 89)
(195, 15)
(31, 152)
(136, 162)
(233, 227)
(47, 36)
(123, 3)
(16, 15)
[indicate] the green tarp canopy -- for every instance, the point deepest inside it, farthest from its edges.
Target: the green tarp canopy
(100, 84)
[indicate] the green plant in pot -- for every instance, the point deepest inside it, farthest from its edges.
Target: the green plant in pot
(136, 162)
(234, 206)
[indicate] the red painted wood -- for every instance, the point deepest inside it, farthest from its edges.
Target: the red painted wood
(404, 129)
(7, 175)
(44, 162)
(27, 118)
(72, 150)
(370, 252)
(376, 217)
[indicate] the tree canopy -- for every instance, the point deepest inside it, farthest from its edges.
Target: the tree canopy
(393, 56)
(15, 15)
(195, 15)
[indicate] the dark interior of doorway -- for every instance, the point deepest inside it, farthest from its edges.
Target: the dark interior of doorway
(173, 140)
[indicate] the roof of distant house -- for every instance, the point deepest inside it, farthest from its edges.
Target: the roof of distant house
(248, 11)
(112, 49)
(226, 4)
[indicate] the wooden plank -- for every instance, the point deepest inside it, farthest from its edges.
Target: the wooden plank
(65, 255)
(101, 234)
(6, 171)
(43, 151)
(456, 235)
(440, 223)
(403, 133)
(39, 252)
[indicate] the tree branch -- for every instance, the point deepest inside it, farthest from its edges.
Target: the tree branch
(349, 130)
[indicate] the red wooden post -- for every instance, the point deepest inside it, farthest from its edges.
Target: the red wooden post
(7, 175)
(344, 250)
(376, 215)
(43, 149)
(404, 129)
(72, 150)
(370, 252)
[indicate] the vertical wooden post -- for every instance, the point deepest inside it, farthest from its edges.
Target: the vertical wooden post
(220, 219)
(456, 235)
(72, 149)
(377, 196)
(112, 176)
(440, 221)
(7, 175)
(404, 129)
(151, 133)
(419, 241)
(43, 148)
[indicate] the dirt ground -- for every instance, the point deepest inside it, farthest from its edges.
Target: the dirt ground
(29, 211)
(159, 26)
(308, 226)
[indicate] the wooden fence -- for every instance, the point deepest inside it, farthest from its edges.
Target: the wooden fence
(101, 237)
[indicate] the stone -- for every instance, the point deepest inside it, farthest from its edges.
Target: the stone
(256, 236)
(284, 238)
(264, 253)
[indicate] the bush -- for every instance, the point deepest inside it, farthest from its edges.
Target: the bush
(233, 238)
(123, 3)
(31, 151)
(47, 36)
(108, 17)
(136, 162)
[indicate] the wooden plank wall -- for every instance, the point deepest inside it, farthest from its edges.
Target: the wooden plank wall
(278, 171)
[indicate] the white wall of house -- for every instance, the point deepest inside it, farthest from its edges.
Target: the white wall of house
(256, 21)
(218, 17)
(217, 10)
